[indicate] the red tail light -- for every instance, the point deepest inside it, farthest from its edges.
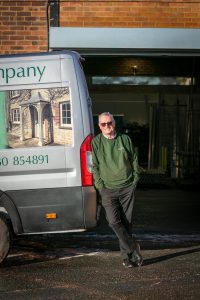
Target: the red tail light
(86, 161)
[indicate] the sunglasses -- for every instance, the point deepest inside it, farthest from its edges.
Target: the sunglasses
(107, 123)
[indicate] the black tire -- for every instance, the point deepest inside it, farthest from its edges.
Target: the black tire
(5, 238)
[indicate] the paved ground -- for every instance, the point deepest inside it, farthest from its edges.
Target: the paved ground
(88, 265)
(169, 211)
(98, 274)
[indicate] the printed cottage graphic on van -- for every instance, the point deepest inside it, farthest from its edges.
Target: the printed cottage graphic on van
(39, 117)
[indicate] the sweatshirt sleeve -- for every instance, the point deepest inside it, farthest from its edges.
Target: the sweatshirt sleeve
(98, 182)
(134, 162)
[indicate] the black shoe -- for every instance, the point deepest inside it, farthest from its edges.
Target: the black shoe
(127, 263)
(136, 257)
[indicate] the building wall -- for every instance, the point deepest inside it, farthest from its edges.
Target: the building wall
(23, 24)
(156, 14)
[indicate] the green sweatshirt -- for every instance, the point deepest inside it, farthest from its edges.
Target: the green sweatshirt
(115, 162)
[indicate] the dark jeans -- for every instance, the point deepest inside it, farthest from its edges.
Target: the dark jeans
(118, 204)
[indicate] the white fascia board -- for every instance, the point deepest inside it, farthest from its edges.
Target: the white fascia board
(118, 39)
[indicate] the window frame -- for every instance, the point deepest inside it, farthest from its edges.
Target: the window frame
(65, 125)
(16, 118)
(14, 94)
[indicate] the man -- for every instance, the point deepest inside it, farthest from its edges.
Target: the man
(115, 170)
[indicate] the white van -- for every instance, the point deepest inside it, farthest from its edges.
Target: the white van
(46, 129)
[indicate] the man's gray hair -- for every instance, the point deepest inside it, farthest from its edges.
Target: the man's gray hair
(106, 114)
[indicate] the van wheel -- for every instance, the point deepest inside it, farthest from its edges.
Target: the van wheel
(5, 238)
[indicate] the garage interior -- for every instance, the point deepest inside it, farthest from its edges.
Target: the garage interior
(156, 101)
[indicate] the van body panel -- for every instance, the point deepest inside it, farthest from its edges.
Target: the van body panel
(22, 71)
(33, 176)
(33, 205)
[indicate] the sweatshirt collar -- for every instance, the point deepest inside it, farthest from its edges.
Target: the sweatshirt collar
(110, 137)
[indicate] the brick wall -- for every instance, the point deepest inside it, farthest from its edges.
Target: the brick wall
(160, 14)
(23, 23)
(23, 26)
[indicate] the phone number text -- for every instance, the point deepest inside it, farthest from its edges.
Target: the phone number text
(24, 160)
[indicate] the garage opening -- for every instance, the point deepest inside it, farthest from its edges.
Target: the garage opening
(156, 101)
